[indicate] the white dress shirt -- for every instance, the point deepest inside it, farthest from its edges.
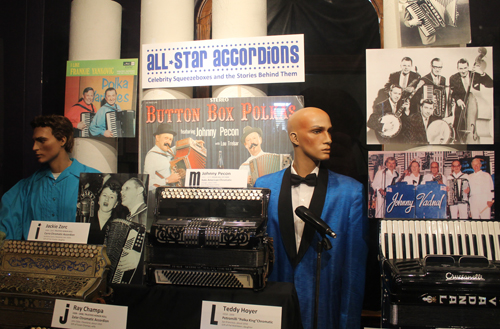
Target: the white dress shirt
(301, 196)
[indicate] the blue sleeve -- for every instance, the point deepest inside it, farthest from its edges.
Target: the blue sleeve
(98, 124)
(353, 276)
(12, 210)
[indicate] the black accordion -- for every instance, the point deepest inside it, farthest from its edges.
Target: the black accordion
(209, 237)
(440, 273)
(121, 124)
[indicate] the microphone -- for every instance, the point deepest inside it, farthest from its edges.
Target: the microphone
(307, 216)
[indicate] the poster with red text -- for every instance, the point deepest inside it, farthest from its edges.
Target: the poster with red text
(247, 133)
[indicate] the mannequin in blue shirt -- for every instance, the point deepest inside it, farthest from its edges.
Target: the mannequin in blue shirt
(339, 201)
(50, 194)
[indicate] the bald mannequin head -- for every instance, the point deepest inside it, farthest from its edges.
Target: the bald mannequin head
(309, 132)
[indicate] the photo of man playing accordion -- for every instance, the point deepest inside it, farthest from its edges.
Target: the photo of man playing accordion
(458, 199)
(434, 22)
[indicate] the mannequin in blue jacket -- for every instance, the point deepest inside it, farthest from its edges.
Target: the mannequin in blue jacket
(50, 194)
(339, 201)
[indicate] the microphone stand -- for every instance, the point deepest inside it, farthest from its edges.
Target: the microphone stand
(325, 244)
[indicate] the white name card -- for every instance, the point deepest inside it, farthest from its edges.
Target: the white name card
(59, 232)
(216, 178)
(78, 315)
(233, 315)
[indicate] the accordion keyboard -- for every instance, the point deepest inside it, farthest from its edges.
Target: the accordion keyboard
(86, 117)
(111, 124)
(52, 269)
(413, 239)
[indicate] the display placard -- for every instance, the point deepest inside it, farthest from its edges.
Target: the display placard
(233, 315)
(255, 60)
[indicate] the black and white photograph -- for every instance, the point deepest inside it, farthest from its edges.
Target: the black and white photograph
(465, 179)
(116, 206)
(429, 96)
(433, 22)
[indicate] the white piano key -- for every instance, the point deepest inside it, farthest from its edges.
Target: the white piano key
(423, 232)
(413, 248)
(496, 235)
(397, 232)
(457, 243)
(463, 233)
(441, 239)
(418, 239)
(382, 241)
(486, 233)
(389, 239)
(477, 230)
(468, 234)
(429, 246)
(451, 239)
(435, 239)
(404, 238)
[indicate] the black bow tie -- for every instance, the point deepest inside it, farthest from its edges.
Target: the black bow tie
(309, 180)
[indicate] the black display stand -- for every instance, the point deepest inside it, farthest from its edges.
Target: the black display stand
(167, 306)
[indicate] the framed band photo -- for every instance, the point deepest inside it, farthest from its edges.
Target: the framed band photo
(429, 96)
(431, 185)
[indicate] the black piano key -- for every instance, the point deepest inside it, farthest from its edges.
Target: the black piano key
(419, 240)
(460, 247)
(403, 245)
(427, 245)
(475, 247)
(434, 243)
(492, 244)
(412, 254)
(394, 244)
(485, 246)
(386, 238)
(443, 243)
(467, 244)
(452, 249)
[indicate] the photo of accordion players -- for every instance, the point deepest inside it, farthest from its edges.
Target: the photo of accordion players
(115, 205)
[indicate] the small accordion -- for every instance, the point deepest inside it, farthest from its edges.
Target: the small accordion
(437, 95)
(210, 237)
(34, 274)
(267, 164)
(121, 124)
(124, 239)
(456, 191)
(86, 117)
(189, 155)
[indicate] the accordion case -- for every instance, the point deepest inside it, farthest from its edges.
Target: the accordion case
(209, 237)
(34, 274)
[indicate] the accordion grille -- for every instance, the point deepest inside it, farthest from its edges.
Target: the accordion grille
(204, 279)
